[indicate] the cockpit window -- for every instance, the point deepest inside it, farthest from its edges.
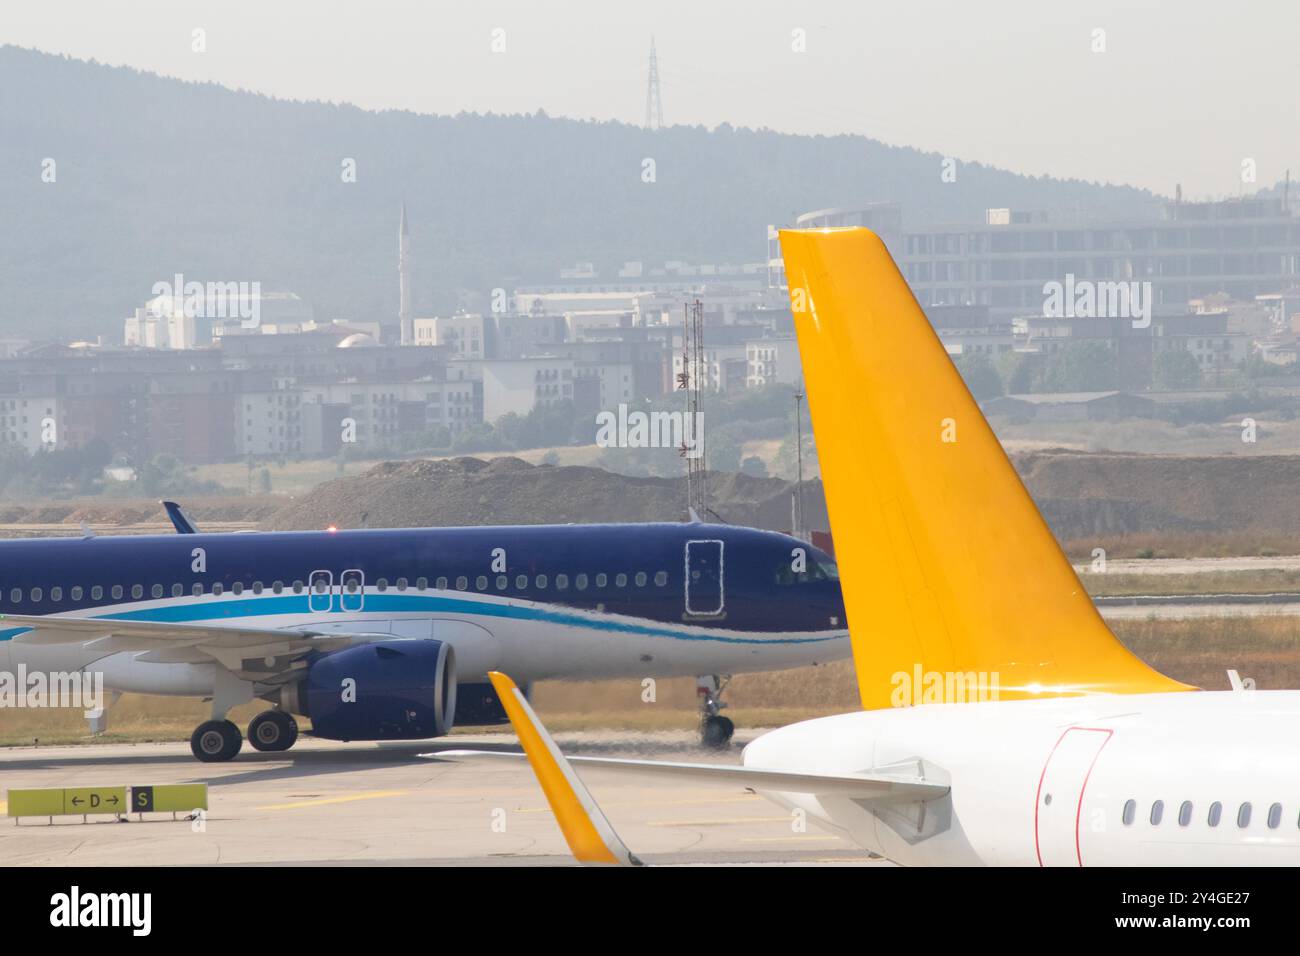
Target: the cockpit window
(817, 570)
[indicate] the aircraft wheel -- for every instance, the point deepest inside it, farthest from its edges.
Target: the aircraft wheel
(216, 741)
(716, 732)
(272, 731)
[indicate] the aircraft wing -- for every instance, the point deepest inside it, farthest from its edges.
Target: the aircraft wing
(253, 653)
(864, 786)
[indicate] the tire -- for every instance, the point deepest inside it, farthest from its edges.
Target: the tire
(272, 731)
(216, 741)
(716, 732)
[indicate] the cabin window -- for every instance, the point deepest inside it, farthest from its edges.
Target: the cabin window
(218, 588)
(521, 582)
(1185, 813)
(601, 579)
(442, 584)
(297, 587)
(1243, 815)
(641, 579)
(381, 584)
(661, 578)
(1274, 816)
(178, 589)
(462, 583)
(238, 587)
(257, 587)
(37, 593)
(197, 589)
(16, 596)
(1157, 812)
(1216, 812)
(562, 581)
(1130, 811)
(541, 582)
(481, 582)
(503, 582)
(277, 587)
(421, 584)
(117, 592)
(96, 592)
(401, 584)
(620, 581)
(56, 593)
(137, 591)
(580, 582)
(76, 592)
(157, 590)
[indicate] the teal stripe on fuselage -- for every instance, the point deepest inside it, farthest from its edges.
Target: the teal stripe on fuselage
(211, 612)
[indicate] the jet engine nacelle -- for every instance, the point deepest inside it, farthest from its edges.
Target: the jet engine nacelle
(385, 690)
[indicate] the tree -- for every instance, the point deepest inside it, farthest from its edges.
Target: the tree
(981, 376)
(1175, 368)
(1087, 366)
(754, 466)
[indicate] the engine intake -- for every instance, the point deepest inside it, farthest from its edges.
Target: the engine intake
(386, 690)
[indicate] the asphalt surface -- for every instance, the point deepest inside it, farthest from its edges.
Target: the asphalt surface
(332, 804)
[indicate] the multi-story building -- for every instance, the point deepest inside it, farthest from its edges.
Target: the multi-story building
(1244, 248)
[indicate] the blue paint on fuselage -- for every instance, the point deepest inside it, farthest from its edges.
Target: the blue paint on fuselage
(762, 594)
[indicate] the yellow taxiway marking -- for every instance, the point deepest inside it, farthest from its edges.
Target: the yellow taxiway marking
(374, 795)
(4, 807)
(716, 823)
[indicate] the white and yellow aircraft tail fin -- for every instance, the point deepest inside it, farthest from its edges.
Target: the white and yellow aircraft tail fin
(954, 586)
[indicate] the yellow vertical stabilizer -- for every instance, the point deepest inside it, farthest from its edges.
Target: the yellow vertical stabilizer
(954, 586)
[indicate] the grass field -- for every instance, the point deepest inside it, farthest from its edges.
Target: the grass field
(1270, 581)
(1197, 652)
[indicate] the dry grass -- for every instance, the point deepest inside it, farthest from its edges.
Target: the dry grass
(1197, 652)
(1201, 651)
(1270, 581)
(1195, 544)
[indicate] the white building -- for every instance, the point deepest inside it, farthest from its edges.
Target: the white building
(520, 385)
(771, 361)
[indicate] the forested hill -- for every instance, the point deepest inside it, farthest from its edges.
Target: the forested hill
(157, 176)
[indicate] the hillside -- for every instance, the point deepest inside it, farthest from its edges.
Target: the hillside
(157, 176)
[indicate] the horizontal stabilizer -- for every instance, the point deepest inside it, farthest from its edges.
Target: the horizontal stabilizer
(883, 787)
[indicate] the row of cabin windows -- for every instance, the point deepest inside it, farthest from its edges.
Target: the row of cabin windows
(522, 582)
(137, 591)
(1212, 818)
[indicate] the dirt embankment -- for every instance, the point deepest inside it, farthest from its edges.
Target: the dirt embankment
(1089, 493)
(468, 491)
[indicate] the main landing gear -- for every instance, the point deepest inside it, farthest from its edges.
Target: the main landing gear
(216, 740)
(271, 731)
(715, 730)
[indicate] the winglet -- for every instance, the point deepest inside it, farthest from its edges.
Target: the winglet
(589, 834)
(181, 523)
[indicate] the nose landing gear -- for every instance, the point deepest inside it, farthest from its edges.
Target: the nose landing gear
(715, 730)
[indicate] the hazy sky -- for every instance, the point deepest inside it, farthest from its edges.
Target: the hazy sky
(1184, 92)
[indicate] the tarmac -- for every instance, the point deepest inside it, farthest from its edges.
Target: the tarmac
(334, 804)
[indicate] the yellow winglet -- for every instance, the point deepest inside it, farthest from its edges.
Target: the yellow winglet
(951, 577)
(586, 829)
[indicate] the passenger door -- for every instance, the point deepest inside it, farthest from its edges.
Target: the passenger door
(1060, 795)
(705, 589)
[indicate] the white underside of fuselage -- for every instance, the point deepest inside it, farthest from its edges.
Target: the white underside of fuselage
(529, 640)
(1047, 782)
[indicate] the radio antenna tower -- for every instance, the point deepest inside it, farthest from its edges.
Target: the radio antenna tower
(654, 103)
(694, 380)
